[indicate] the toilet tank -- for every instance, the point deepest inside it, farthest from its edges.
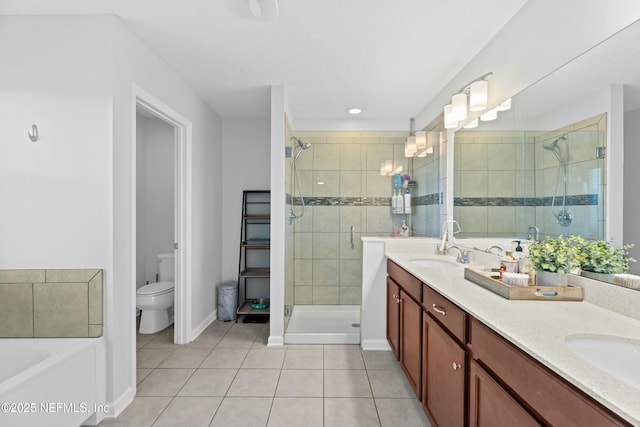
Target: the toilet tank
(166, 267)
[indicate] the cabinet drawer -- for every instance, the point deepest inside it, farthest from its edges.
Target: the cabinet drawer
(452, 318)
(410, 284)
(548, 395)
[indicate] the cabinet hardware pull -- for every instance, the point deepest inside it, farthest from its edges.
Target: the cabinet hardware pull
(439, 309)
(456, 366)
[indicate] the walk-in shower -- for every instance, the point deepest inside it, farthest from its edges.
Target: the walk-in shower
(323, 251)
(563, 216)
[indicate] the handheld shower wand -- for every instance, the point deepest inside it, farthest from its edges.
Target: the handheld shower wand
(563, 217)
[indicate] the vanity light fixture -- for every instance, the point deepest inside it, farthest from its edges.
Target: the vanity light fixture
(421, 140)
(478, 95)
(489, 115)
(386, 167)
(504, 106)
(449, 121)
(410, 146)
(472, 124)
(459, 106)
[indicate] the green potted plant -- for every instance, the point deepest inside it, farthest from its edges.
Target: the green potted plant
(600, 261)
(552, 258)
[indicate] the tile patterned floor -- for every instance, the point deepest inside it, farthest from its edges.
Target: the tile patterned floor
(228, 377)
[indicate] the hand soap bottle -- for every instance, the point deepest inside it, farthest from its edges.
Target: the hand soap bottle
(404, 230)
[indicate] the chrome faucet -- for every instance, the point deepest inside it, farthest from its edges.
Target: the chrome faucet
(488, 250)
(463, 256)
(536, 230)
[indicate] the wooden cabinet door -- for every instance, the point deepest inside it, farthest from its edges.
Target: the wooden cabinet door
(393, 316)
(411, 341)
(444, 376)
(492, 406)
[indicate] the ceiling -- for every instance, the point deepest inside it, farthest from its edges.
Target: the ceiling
(387, 57)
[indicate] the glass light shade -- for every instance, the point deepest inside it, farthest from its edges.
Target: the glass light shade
(478, 94)
(459, 106)
(383, 172)
(421, 140)
(408, 153)
(410, 146)
(489, 115)
(422, 153)
(504, 106)
(449, 122)
(388, 165)
(472, 124)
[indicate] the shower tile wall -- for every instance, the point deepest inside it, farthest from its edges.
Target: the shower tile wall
(491, 166)
(502, 188)
(586, 178)
(341, 183)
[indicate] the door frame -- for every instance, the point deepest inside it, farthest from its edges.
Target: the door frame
(182, 206)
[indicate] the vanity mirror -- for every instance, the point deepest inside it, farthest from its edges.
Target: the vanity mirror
(552, 161)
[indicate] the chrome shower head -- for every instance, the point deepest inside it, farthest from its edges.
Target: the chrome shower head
(301, 144)
(552, 145)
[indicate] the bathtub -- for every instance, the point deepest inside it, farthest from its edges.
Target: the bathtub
(52, 381)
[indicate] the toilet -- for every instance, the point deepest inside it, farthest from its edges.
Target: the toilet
(156, 299)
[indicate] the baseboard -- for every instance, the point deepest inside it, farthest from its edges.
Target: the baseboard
(375, 345)
(275, 341)
(119, 405)
(195, 333)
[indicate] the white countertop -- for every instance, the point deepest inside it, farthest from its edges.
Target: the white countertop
(540, 328)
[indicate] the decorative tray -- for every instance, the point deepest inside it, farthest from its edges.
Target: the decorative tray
(542, 293)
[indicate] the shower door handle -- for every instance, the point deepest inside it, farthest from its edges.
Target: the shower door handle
(352, 232)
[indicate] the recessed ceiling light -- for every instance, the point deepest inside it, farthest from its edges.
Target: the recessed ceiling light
(354, 110)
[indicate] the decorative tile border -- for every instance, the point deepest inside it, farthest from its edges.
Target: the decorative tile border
(579, 200)
(51, 303)
(430, 199)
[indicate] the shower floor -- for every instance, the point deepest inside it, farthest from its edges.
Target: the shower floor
(324, 324)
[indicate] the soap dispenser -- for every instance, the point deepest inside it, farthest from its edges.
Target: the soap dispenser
(404, 229)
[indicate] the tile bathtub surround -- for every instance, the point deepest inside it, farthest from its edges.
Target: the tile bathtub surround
(48, 303)
(241, 382)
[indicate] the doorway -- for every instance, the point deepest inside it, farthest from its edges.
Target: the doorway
(175, 235)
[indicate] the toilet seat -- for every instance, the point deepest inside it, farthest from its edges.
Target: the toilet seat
(158, 288)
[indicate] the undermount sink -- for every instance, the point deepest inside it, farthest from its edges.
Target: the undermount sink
(617, 357)
(434, 263)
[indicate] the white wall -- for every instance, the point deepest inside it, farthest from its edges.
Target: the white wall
(134, 63)
(56, 208)
(246, 166)
(68, 200)
(631, 179)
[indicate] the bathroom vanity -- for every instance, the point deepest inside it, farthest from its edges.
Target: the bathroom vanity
(476, 358)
